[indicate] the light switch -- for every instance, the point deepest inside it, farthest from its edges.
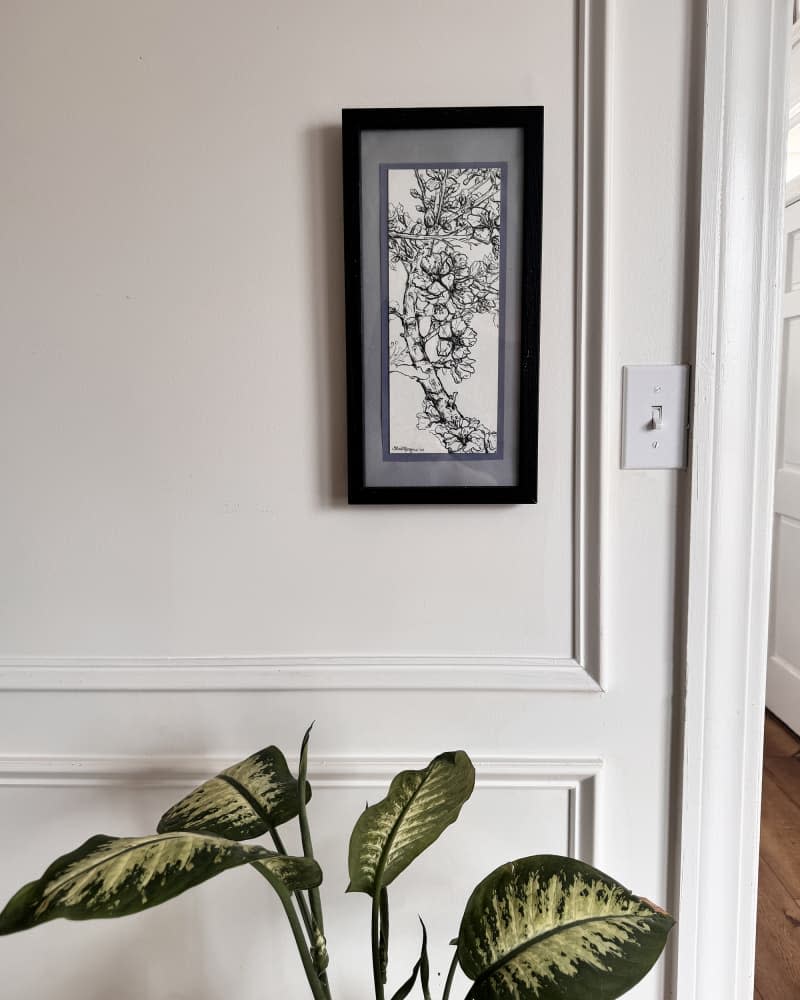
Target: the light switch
(655, 416)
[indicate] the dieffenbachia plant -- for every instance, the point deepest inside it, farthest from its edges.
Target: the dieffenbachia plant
(539, 928)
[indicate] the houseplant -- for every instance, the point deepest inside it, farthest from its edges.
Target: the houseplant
(538, 928)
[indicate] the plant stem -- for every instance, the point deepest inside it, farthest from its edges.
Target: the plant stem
(314, 923)
(302, 947)
(320, 981)
(305, 913)
(376, 944)
(301, 901)
(305, 832)
(383, 933)
(450, 973)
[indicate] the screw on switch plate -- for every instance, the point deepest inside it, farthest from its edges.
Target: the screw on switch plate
(655, 416)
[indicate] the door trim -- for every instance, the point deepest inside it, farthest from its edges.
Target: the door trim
(783, 676)
(734, 429)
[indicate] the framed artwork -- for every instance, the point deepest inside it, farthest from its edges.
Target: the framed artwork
(443, 223)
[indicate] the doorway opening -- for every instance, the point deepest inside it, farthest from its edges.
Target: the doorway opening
(777, 974)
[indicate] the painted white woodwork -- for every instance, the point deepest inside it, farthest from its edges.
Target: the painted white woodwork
(783, 670)
(167, 611)
(298, 673)
(549, 799)
(732, 458)
(579, 669)
(793, 138)
(182, 580)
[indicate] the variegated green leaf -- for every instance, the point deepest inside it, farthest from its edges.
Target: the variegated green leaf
(292, 873)
(547, 927)
(288, 874)
(117, 876)
(242, 801)
(420, 805)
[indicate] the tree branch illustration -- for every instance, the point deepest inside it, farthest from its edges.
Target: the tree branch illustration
(442, 291)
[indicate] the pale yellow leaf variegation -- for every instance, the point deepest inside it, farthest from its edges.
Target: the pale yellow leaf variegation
(419, 806)
(241, 802)
(289, 872)
(546, 928)
(117, 876)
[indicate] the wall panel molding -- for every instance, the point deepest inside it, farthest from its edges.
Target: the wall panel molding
(580, 672)
(292, 673)
(576, 775)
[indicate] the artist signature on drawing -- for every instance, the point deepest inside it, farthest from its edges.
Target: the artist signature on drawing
(402, 447)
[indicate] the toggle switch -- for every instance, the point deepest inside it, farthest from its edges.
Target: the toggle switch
(655, 416)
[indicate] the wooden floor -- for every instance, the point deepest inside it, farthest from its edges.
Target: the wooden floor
(778, 939)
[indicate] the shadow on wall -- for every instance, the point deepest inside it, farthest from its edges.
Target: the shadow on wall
(323, 148)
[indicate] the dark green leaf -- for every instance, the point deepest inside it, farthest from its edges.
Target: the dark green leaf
(424, 965)
(419, 806)
(242, 801)
(421, 969)
(117, 876)
(408, 985)
(294, 873)
(547, 928)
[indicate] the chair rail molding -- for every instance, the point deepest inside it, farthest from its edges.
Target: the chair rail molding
(732, 474)
(294, 673)
(575, 775)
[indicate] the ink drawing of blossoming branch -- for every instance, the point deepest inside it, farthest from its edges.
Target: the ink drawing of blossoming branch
(444, 235)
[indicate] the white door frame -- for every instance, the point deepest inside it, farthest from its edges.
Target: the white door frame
(734, 421)
(783, 668)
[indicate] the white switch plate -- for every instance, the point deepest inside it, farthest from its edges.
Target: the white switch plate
(655, 416)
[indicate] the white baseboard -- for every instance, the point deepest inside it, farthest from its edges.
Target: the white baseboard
(783, 691)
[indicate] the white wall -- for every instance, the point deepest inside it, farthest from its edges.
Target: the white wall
(173, 455)
(175, 378)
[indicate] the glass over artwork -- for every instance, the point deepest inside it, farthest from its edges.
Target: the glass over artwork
(443, 276)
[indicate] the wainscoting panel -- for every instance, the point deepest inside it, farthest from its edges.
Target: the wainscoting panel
(227, 937)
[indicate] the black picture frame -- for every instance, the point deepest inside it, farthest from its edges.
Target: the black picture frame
(523, 127)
